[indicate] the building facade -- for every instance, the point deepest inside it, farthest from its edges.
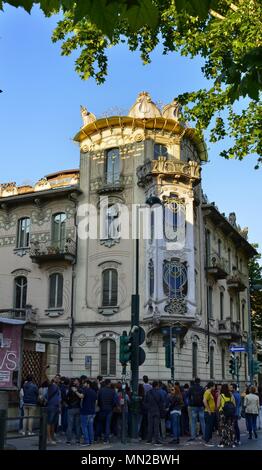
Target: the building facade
(68, 254)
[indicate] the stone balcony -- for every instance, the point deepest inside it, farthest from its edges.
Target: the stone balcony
(237, 281)
(110, 184)
(27, 314)
(168, 169)
(41, 252)
(229, 330)
(217, 267)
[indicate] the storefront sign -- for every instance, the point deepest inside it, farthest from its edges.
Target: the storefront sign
(10, 352)
(40, 347)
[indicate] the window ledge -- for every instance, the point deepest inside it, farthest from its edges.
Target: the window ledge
(108, 310)
(54, 312)
(21, 251)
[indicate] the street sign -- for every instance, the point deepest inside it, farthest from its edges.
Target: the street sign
(237, 349)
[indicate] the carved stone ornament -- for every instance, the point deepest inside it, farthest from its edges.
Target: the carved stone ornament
(144, 107)
(81, 340)
(172, 110)
(85, 148)
(176, 306)
(87, 117)
(109, 242)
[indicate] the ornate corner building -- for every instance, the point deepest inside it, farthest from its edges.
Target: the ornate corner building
(74, 291)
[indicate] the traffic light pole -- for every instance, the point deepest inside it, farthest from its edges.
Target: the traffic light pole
(135, 346)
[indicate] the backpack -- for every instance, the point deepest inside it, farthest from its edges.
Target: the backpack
(229, 409)
(196, 397)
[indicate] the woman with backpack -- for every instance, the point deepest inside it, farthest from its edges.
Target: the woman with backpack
(227, 410)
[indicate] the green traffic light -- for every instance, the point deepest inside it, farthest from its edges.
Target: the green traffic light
(125, 348)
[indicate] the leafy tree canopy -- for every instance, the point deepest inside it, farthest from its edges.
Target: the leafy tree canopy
(226, 35)
(255, 281)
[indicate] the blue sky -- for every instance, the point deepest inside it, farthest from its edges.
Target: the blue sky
(40, 110)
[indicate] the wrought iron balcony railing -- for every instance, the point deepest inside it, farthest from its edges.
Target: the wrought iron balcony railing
(110, 183)
(27, 314)
(237, 281)
(47, 251)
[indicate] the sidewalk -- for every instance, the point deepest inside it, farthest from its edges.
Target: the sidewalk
(31, 443)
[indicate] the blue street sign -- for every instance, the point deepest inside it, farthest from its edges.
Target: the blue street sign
(237, 349)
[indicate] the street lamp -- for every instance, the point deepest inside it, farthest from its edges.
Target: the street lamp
(135, 306)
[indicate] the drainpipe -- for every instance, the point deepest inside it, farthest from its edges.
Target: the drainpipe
(73, 198)
(207, 300)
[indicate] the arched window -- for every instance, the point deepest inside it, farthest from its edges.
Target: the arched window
(23, 232)
(160, 150)
(56, 282)
(209, 302)
(223, 355)
(221, 305)
(211, 359)
(109, 283)
(59, 230)
(151, 278)
(243, 307)
(194, 360)
(20, 291)
(107, 357)
(231, 309)
(112, 165)
(174, 279)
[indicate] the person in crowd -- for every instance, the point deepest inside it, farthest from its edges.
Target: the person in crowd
(251, 403)
(176, 406)
(99, 381)
(21, 408)
(30, 398)
(259, 391)
(227, 411)
(53, 407)
(210, 413)
(73, 413)
(184, 412)
(87, 411)
(147, 385)
(164, 394)
(195, 400)
(155, 407)
(64, 389)
(142, 412)
(107, 399)
(237, 397)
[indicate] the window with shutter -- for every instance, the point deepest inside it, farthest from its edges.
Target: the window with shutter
(23, 232)
(108, 357)
(20, 291)
(56, 282)
(109, 281)
(59, 230)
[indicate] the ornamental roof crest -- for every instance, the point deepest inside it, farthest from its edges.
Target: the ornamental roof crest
(144, 107)
(87, 116)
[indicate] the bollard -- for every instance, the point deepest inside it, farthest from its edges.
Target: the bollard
(3, 417)
(43, 429)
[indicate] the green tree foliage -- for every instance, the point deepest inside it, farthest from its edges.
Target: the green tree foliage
(255, 280)
(226, 35)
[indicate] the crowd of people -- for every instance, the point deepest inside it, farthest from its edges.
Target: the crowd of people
(92, 410)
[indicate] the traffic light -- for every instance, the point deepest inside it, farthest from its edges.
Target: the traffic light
(232, 365)
(125, 348)
(256, 366)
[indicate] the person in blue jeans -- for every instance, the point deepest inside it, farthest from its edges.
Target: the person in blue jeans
(87, 411)
(176, 404)
(73, 416)
(195, 402)
(107, 399)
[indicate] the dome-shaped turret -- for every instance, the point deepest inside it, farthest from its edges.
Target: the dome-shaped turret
(144, 107)
(172, 110)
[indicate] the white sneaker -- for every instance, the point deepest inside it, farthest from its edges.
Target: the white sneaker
(22, 433)
(31, 434)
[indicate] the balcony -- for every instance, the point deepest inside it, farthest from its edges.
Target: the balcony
(40, 252)
(229, 330)
(110, 184)
(173, 170)
(217, 266)
(27, 314)
(236, 281)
